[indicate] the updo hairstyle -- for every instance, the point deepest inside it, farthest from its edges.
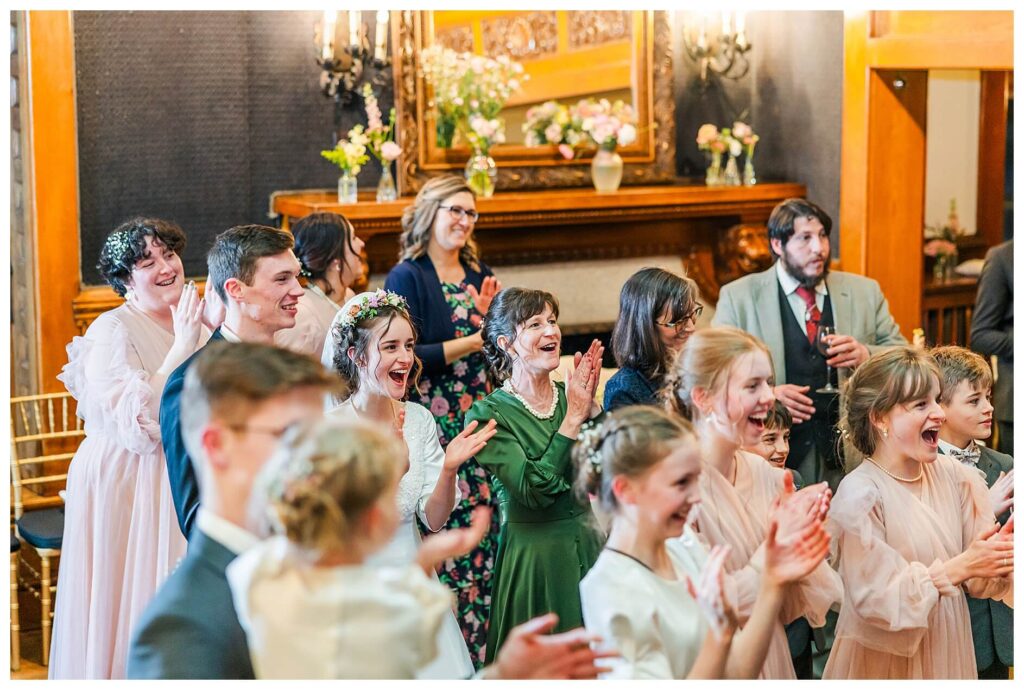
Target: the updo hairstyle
(328, 474)
(894, 376)
(320, 238)
(509, 309)
(358, 336)
(126, 245)
(629, 442)
(706, 361)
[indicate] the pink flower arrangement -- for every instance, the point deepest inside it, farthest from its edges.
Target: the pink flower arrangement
(588, 123)
(380, 137)
(709, 139)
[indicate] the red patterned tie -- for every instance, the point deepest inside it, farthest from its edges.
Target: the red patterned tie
(813, 315)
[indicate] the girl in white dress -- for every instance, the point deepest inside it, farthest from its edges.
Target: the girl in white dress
(644, 467)
(374, 345)
(329, 253)
(311, 604)
(722, 381)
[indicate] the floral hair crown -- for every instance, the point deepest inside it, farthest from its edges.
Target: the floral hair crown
(368, 305)
(590, 437)
(118, 245)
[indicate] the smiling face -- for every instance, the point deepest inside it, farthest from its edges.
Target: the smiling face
(968, 414)
(663, 496)
(537, 342)
(157, 278)
(673, 338)
(805, 255)
(737, 412)
(389, 358)
(912, 428)
(773, 447)
(451, 232)
(273, 297)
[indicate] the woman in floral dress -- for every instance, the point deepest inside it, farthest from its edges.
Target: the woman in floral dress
(448, 290)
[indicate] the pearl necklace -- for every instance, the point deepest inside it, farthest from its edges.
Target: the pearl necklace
(507, 387)
(909, 480)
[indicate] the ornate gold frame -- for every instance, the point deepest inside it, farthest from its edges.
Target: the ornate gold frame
(651, 159)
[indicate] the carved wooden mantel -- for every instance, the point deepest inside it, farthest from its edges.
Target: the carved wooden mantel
(543, 226)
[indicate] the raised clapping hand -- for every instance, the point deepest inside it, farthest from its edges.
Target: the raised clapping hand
(187, 321)
(797, 541)
(581, 385)
(529, 653)
(452, 543)
(1001, 493)
(482, 299)
(467, 444)
(709, 593)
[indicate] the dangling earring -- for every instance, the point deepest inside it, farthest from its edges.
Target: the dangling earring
(129, 295)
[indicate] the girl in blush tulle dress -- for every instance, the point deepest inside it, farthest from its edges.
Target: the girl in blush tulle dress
(311, 602)
(121, 537)
(914, 531)
(722, 379)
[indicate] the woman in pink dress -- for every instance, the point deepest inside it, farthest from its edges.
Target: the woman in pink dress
(722, 380)
(121, 537)
(915, 530)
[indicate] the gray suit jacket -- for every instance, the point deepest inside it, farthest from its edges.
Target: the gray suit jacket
(992, 323)
(190, 629)
(859, 308)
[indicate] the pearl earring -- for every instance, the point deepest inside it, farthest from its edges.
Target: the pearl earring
(885, 432)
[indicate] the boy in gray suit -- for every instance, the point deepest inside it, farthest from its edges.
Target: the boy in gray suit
(966, 400)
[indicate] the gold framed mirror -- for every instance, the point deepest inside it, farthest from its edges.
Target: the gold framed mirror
(570, 55)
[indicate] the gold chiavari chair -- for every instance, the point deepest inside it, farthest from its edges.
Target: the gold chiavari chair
(45, 433)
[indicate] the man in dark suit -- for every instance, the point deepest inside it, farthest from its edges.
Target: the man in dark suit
(236, 402)
(992, 333)
(254, 273)
(786, 305)
(966, 388)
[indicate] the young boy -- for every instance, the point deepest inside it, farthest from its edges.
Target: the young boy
(774, 447)
(966, 400)
(774, 444)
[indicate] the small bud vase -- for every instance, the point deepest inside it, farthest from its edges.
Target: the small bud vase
(731, 178)
(749, 178)
(347, 188)
(386, 187)
(606, 171)
(713, 176)
(481, 173)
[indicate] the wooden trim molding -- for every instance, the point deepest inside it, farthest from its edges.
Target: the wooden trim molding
(53, 176)
(995, 94)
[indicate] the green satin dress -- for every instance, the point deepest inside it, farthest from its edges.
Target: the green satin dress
(548, 539)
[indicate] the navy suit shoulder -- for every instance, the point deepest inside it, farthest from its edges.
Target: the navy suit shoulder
(628, 386)
(184, 488)
(190, 629)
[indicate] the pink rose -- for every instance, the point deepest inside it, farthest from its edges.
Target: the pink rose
(706, 134)
(741, 130)
(566, 151)
(553, 132)
(390, 151)
(439, 406)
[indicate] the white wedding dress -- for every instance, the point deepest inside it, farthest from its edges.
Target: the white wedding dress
(426, 458)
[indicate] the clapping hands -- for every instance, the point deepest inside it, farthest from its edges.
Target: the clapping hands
(452, 543)
(467, 444)
(709, 593)
(581, 385)
(1001, 493)
(482, 299)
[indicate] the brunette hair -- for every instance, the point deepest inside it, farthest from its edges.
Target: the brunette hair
(630, 441)
(326, 475)
(320, 238)
(509, 309)
(418, 220)
(125, 246)
(358, 336)
(891, 377)
(635, 341)
(778, 418)
(236, 251)
(780, 222)
(960, 364)
(705, 362)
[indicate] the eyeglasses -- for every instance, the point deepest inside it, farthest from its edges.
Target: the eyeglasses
(270, 431)
(458, 213)
(681, 323)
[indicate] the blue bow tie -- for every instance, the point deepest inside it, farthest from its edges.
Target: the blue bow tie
(968, 456)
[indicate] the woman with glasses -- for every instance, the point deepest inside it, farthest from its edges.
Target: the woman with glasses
(448, 290)
(658, 311)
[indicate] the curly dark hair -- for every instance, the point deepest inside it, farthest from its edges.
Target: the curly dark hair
(784, 215)
(510, 308)
(126, 245)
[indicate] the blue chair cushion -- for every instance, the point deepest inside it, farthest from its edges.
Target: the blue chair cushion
(15, 543)
(43, 529)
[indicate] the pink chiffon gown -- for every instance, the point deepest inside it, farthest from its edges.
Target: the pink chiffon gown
(901, 617)
(737, 516)
(121, 536)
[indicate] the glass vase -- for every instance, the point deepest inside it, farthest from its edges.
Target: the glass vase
(749, 178)
(481, 173)
(606, 171)
(347, 188)
(713, 176)
(731, 178)
(386, 187)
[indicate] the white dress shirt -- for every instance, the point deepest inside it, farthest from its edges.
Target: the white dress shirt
(796, 302)
(224, 532)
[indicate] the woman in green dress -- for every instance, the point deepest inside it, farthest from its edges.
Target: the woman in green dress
(548, 539)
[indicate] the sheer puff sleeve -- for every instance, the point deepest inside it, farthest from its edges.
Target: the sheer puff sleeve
(891, 598)
(115, 394)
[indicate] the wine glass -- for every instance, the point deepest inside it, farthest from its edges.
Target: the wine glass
(821, 343)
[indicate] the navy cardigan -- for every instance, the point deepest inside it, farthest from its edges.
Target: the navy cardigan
(416, 280)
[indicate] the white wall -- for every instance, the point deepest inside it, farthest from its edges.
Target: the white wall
(954, 114)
